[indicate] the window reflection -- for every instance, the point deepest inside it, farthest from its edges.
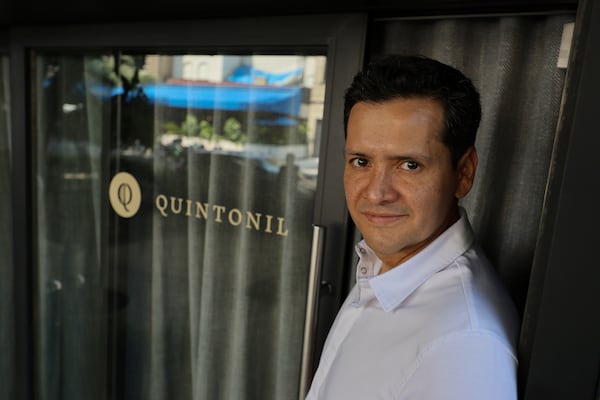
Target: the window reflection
(199, 292)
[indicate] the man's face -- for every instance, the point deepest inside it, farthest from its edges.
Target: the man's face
(400, 186)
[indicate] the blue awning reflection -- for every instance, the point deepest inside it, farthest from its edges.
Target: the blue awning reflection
(285, 100)
(282, 100)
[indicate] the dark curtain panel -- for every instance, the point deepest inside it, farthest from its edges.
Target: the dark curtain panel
(513, 60)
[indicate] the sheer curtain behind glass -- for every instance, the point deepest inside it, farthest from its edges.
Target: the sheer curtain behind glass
(513, 61)
(71, 334)
(7, 306)
(200, 292)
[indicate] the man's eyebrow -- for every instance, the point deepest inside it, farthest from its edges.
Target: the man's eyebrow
(352, 152)
(414, 155)
(405, 156)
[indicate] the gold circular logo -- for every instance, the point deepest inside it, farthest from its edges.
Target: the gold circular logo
(125, 194)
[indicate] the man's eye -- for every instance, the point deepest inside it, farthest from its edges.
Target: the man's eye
(359, 162)
(410, 165)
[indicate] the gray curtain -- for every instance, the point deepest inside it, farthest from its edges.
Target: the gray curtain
(71, 329)
(513, 62)
(215, 311)
(7, 304)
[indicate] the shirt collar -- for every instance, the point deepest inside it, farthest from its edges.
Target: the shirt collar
(395, 285)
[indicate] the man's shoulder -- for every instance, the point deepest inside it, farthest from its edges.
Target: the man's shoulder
(468, 296)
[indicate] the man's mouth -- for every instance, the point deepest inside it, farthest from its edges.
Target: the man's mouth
(379, 218)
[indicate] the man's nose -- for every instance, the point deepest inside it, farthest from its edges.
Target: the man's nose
(381, 188)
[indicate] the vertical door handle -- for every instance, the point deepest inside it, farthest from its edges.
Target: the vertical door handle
(312, 303)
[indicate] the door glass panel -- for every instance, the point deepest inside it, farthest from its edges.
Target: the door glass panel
(174, 205)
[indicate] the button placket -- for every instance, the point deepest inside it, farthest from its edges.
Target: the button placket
(364, 272)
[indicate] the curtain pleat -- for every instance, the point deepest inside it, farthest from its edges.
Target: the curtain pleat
(69, 290)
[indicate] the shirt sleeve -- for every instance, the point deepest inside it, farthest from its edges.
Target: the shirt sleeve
(471, 366)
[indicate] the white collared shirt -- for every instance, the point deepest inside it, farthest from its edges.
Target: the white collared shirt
(439, 326)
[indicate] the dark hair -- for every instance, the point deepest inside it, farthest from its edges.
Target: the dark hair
(408, 76)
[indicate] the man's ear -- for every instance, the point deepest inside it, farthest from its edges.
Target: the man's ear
(467, 165)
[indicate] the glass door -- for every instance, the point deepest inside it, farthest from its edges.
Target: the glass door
(175, 196)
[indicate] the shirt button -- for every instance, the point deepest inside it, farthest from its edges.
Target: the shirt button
(362, 251)
(363, 270)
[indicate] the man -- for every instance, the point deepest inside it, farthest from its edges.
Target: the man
(428, 318)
